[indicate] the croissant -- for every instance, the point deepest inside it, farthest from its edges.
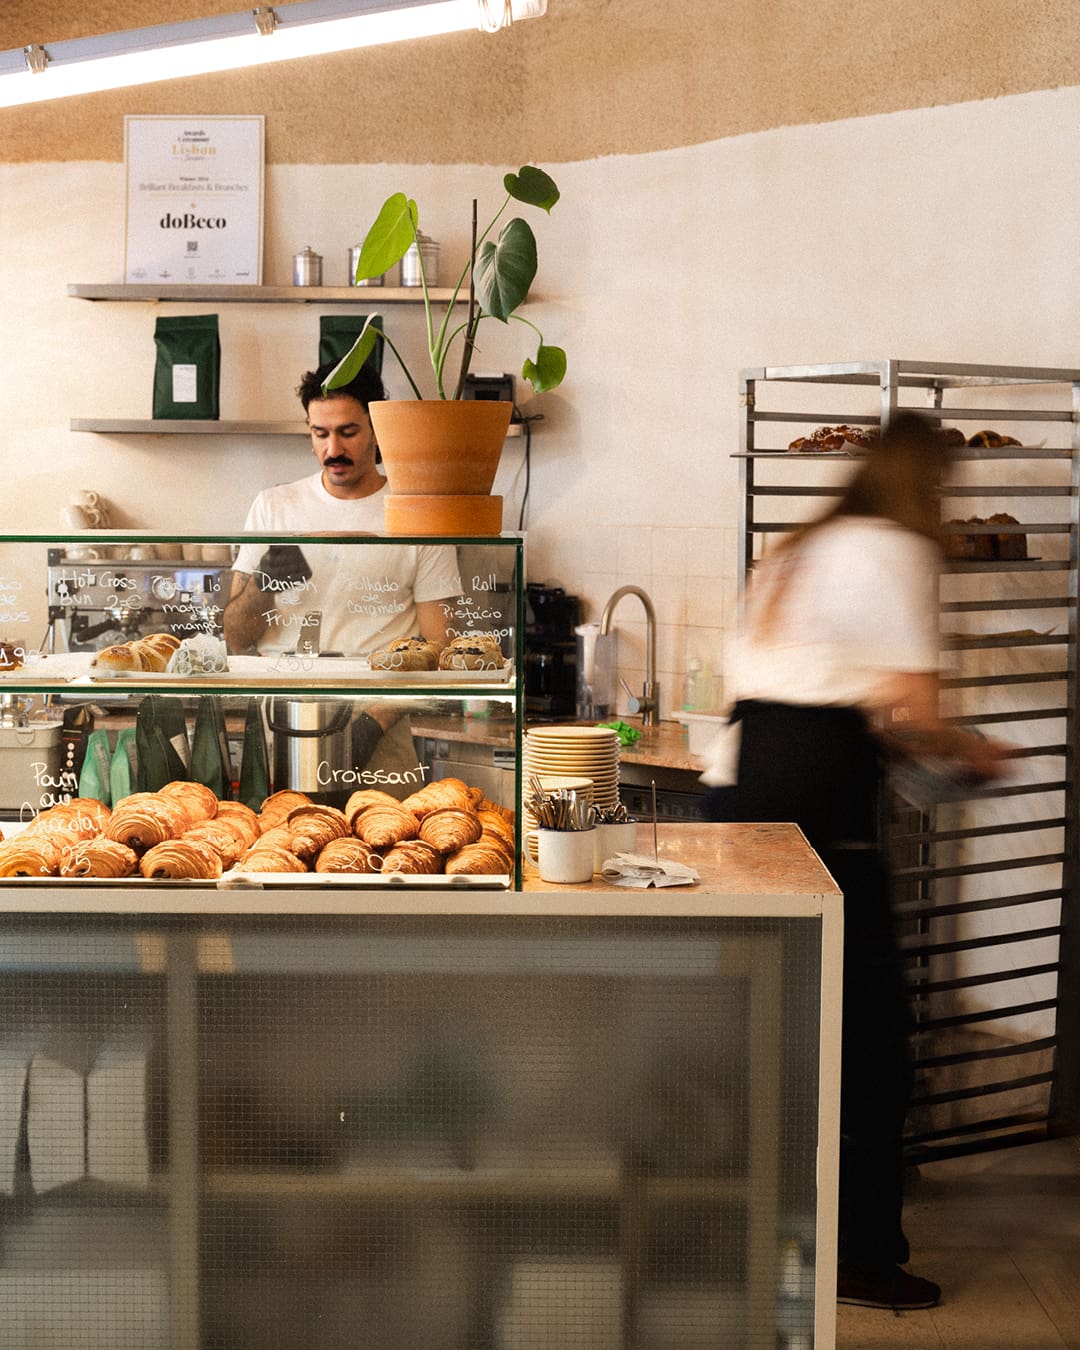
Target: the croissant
(382, 826)
(412, 855)
(450, 828)
(199, 801)
(181, 860)
(365, 797)
(312, 827)
(278, 805)
(495, 822)
(241, 818)
(98, 857)
(268, 858)
(37, 856)
(347, 855)
(484, 857)
(145, 819)
(433, 796)
(225, 838)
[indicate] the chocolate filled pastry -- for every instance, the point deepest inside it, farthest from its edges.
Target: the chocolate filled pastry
(100, 857)
(384, 826)
(312, 827)
(363, 798)
(348, 855)
(36, 856)
(483, 858)
(181, 860)
(434, 796)
(450, 828)
(147, 818)
(199, 801)
(225, 838)
(413, 856)
(68, 822)
(411, 653)
(270, 858)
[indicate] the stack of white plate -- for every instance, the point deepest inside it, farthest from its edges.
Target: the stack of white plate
(589, 752)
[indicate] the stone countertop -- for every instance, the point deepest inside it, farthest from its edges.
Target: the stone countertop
(731, 859)
(664, 746)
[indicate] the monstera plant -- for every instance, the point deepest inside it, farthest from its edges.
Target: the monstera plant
(497, 275)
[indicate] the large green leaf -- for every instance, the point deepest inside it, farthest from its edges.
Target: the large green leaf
(351, 363)
(504, 270)
(547, 371)
(532, 186)
(389, 237)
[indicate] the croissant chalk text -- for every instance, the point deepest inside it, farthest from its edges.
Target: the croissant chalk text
(369, 777)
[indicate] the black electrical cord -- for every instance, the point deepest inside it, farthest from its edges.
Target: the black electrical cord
(527, 431)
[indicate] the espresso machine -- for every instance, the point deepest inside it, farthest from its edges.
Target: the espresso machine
(550, 653)
(94, 603)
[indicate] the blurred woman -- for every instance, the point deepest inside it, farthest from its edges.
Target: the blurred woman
(837, 667)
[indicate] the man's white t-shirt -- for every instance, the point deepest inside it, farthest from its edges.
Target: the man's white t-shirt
(858, 602)
(366, 594)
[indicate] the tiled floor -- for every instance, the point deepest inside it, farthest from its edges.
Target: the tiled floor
(1001, 1234)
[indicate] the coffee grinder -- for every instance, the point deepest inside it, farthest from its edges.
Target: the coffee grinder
(550, 653)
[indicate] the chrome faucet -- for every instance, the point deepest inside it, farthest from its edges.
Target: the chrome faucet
(649, 703)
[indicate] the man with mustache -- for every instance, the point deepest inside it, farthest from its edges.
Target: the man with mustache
(334, 597)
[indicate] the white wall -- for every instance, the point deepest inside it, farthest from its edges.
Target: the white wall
(946, 233)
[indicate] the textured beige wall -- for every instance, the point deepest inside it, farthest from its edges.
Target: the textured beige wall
(595, 77)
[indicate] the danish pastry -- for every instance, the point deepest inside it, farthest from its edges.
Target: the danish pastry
(347, 855)
(383, 826)
(100, 857)
(413, 856)
(450, 828)
(181, 860)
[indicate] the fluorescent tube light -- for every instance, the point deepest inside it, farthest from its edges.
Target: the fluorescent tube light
(230, 41)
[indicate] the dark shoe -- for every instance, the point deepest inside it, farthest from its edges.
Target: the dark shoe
(892, 1288)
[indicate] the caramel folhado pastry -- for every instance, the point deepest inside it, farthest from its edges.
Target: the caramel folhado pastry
(311, 828)
(413, 856)
(482, 858)
(348, 855)
(181, 860)
(450, 828)
(269, 858)
(147, 818)
(434, 796)
(411, 653)
(384, 826)
(199, 801)
(100, 857)
(36, 856)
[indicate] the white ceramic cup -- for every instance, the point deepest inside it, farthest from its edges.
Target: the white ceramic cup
(565, 856)
(615, 838)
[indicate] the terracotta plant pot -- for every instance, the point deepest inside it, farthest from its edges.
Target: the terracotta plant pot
(440, 447)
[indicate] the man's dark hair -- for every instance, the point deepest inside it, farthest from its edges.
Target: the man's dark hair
(367, 387)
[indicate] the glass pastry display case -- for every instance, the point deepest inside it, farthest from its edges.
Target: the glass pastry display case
(224, 711)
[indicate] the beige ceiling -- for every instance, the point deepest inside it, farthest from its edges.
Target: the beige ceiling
(595, 77)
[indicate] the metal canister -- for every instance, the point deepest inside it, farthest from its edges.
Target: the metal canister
(354, 258)
(426, 249)
(307, 268)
